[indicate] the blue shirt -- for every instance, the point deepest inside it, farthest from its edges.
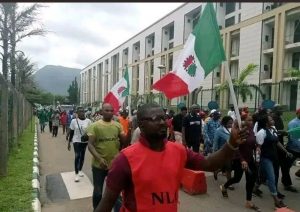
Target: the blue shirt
(294, 143)
(220, 138)
(210, 130)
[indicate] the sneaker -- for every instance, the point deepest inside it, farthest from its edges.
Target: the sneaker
(76, 178)
(81, 174)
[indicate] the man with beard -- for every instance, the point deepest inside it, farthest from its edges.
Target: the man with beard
(149, 171)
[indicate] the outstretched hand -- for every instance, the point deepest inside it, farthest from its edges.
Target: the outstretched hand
(237, 135)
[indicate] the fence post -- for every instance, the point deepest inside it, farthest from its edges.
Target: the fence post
(14, 116)
(4, 128)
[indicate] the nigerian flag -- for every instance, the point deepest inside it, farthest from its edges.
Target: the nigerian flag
(202, 52)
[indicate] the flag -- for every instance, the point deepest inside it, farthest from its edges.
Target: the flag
(118, 93)
(202, 52)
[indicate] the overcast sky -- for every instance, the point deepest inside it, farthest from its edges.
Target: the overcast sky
(80, 33)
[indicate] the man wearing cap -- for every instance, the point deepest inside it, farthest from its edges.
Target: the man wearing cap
(192, 129)
(210, 129)
(293, 145)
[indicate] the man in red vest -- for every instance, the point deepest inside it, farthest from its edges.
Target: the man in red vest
(148, 173)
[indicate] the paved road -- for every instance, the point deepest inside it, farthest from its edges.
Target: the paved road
(55, 197)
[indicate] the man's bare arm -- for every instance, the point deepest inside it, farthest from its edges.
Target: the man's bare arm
(108, 200)
(92, 149)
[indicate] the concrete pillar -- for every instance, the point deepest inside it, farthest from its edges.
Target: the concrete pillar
(278, 56)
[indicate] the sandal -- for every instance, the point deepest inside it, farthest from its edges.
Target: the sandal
(224, 191)
(253, 207)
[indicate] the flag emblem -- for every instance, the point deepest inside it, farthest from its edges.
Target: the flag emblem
(121, 90)
(190, 66)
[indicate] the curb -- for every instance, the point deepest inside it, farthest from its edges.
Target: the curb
(36, 204)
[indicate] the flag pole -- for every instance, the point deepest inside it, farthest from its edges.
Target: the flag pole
(232, 93)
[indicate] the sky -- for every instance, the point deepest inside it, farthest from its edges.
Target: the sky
(80, 33)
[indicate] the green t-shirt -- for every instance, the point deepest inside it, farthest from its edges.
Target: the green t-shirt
(107, 140)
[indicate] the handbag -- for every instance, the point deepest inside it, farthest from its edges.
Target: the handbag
(84, 137)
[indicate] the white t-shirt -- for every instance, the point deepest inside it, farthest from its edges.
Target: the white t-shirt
(83, 124)
(261, 135)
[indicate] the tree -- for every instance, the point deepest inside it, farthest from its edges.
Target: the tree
(73, 92)
(4, 29)
(25, 69)
(21, 27)
(242, 88)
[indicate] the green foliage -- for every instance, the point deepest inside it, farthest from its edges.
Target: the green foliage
(242, 88)
(16, 189)
(294, 72)
(73, 92)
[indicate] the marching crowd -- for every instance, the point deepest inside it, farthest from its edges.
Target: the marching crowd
(129, 152)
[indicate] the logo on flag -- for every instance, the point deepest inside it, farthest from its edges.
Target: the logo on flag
(121, 90)
(190, 66)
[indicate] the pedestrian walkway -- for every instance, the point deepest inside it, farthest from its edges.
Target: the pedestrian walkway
(59, 192)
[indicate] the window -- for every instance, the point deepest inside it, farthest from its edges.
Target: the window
(230, 7)
(240, 5)
(153, 40)
(297, 31)
(195, 19)
(295, 60)
(239, 18)
(272, 38)
(171, 32)
(229, 22)
(171, 45)
(170, 61)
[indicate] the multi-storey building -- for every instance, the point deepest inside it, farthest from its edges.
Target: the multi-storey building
(266, 34)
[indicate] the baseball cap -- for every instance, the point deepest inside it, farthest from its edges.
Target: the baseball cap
(213, 111)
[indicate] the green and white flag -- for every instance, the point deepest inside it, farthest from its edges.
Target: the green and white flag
(202, 53)
(118, 93)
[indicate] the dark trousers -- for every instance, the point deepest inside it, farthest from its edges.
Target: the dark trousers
(195, 146)
(64, 128)
(238, 173)
(54, 130)
(286, 164)
(79, 149)
(50, 126)
(42, 127)
(98, 181)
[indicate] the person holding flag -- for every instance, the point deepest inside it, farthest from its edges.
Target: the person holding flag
(149, 171)
(117, 95)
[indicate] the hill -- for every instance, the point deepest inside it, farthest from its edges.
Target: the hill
(56, 79)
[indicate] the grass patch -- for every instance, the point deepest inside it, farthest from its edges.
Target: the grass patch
(15, 188)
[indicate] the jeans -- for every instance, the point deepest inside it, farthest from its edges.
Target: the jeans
(98, 182)
(251, 174)
(54, 131)
(271, 171)
(286, 164)
(79, 149)
(42, 127)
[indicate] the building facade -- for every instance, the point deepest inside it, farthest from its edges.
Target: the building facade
(265, 34)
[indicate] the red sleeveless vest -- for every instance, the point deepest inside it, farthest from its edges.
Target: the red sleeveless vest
(156, 176)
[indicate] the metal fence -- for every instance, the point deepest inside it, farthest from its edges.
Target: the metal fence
(286, 93)
(15, 115)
